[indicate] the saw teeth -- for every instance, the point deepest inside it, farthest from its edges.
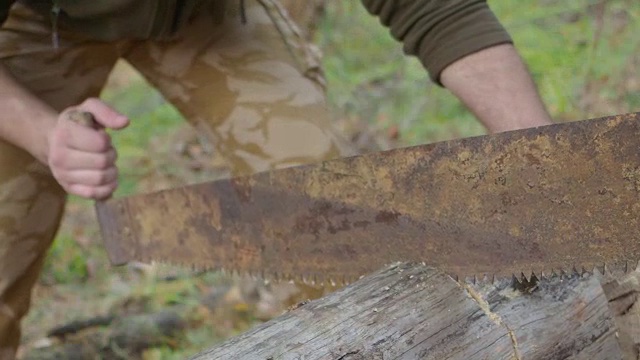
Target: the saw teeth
(525, 284)
(532, 278)
(315, 279)
(492, 278)
(521, 278)
(564, 273)
(346, 280)
(599, 270)
(489, 279)
(337, 282)
(553, 273)
(304, 279)
(253, 275)
(349, 280)
(617, 269)
(286, 277)
(539, 273)
(309, 279)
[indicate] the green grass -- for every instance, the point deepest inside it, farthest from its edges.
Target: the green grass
(66, 263)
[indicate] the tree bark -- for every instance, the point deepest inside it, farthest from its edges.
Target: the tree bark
(410, 311)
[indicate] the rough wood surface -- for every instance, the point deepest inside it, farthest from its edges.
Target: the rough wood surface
(622, 293)
(410, 311)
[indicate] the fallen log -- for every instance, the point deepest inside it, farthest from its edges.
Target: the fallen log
(410, 311)
(127, 337)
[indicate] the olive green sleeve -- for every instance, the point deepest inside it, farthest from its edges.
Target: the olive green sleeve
(440, 32)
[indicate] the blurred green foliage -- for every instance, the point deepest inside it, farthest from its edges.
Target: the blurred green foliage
(66, 262)
(151, 117)
(370, 78)
(583, 54)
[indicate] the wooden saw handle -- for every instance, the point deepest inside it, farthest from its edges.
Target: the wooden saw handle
(83, 118)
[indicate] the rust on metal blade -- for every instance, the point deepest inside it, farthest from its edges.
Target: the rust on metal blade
(531, 201)
(116, 235)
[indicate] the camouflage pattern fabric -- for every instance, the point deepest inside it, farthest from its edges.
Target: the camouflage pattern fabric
(247, 80)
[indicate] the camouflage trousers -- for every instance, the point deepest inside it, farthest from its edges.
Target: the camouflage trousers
(254, 87)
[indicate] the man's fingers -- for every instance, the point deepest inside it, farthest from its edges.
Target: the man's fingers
(81, 157)
(91, 177)
(93, 192)
(104, 114)
(81, 160)
(82, 138)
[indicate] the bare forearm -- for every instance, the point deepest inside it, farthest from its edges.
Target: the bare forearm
(495, 85)
(25, 120)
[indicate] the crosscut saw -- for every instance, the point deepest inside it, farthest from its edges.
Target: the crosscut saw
(558, 198)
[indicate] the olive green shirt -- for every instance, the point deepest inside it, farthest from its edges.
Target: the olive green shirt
(438, 32)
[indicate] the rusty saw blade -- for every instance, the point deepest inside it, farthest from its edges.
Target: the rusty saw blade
(545, 199)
